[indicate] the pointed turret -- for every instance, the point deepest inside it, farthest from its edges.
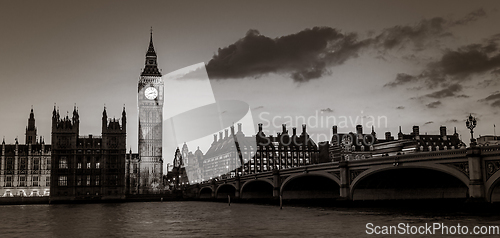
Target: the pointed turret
(124, 120)
(76, 119)
(104, 120)
(76, 116)
(54, 112)
(54, 118)
(31, 129)
(151, 66)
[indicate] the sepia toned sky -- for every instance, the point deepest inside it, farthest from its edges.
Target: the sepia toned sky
(425, 63)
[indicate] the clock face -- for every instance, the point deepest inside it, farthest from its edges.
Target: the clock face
(151, 93)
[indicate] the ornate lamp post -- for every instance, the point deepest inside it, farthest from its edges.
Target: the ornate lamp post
(471, 124)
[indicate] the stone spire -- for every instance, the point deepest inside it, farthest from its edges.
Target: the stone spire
(31, 129)
(151, 66)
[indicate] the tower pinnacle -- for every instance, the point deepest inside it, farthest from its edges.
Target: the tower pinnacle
(151, 66)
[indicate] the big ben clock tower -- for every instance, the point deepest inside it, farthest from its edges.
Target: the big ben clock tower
(150, 105)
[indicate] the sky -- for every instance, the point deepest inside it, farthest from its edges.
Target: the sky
(402, 63)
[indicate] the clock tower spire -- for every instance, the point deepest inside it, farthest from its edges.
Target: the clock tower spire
(150, 105)
(151, 65)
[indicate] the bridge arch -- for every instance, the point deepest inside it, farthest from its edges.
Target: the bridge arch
(446, 172)
(257, 189)
(205, 192)
(323, 174)
(490, 185)
(310, 185)
(224, 190)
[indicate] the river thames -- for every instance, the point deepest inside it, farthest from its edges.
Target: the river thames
(211, 219)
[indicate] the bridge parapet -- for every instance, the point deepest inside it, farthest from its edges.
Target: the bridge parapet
(477, 168)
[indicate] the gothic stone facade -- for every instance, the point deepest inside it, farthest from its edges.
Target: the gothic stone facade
(25, 169)
(150, 104)
(87, 167)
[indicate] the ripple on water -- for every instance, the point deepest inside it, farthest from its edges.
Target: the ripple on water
(206, 219)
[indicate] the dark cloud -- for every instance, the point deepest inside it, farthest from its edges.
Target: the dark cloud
(429, 122)
(433, 104)
(467, 60)
(450, 91)
(423, 33)
(400, 107)
(496, 103)
(471, 17)
(309, 54)
(453, 121)
(327, 110)
(402, 79)
(456, 66)
(414, 88)
(493, 98)
(305, 55)
(418, 35)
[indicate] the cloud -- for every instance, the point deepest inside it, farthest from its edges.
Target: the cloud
(433, 104)
(456, 66)
(417, 35)
(452, 120)
(471, 17)
(426, 32)
(429, 122)
(326, 110)
(304, 55)
(494, 98)
(467, 60)
(257, 108)
(450, 91)
(311, 53)
(496, 103)
(400, 107)
(401, 79)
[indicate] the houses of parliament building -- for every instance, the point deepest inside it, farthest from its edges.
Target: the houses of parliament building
(25, 168)
(87, 167)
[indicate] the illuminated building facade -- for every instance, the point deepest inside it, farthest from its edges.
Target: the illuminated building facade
(259, 153)
(150, 106)
(25, 169)
(355, 146)
(283, 151)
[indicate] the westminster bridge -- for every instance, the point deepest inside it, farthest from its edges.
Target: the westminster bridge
(460, 173)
